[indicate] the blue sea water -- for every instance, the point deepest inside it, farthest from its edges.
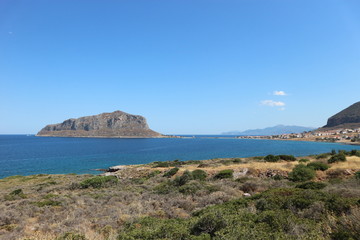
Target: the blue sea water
(26, 155)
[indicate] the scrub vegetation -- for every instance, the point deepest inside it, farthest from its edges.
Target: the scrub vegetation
(276, 197)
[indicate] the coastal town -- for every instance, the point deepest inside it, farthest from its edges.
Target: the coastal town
(341, 135)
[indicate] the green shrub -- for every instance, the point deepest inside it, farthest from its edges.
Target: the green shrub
(237, 160)
(161, 164)
(303, 160)
(99, 182)
(199, 174)
(278, 177)
(311, 185)
(153, 174)
(227, 173)
(287, 157)
(16, 194)
(340, 157)
(209, 223)
(301, 173)
(271, 158)
(150, 228)
(355, 153)
(338, 204)
(164, 188)
(323, 155)
(183, 179)
(318, 166)
(357, 175)
(190, 188)
(71, 236)
(47, 202)
(341, 235)
(171, 172)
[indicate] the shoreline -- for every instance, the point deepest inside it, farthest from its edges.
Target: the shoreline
(111, 137)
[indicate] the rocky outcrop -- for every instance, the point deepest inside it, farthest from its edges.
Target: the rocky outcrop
(349, 117)
(117, 124)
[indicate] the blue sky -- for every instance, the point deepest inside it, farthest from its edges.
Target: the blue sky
(189, 67)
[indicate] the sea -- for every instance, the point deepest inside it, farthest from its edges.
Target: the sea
(28, 154)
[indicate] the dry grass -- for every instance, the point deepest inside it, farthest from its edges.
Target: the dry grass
(352, 162)
(52, 205)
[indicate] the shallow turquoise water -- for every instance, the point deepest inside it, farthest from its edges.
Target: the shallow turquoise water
(26, 155)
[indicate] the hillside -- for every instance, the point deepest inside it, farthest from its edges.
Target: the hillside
(347, 118)
(115, 124)
(234, 198)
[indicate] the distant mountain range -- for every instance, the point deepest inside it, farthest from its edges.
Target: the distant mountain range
(276, 130)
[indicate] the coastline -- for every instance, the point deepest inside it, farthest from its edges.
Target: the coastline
(163, 136)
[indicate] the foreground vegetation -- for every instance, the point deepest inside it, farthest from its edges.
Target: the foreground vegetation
(271, 197)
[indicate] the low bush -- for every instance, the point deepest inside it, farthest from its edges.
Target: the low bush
(311, 185)
(153, 174)
(47, 202)
(164, 188)
(249, 187)
(237, 160)
(161, 164)
(357, 175)
(303, 160)
(227, 173)
(301, 173)
(155, 228)
(271, 158)
(99, 182)
(340, 157)
(16, 194)
(287, 157)
(318, 166)
(71, 236)
(278, 177)
(199, 174)
(171, 172)
(354, 153)
(190, 188)
(183, 179)
(209, 223)
(323, 155)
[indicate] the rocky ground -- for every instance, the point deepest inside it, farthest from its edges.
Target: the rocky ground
(109, 206)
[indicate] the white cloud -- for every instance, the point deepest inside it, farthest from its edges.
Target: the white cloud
(279, 93)
(272, 103)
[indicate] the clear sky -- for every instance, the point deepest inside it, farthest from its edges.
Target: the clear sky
(188, 66)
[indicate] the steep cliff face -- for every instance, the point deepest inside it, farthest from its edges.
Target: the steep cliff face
(115, 124)
(349, 117)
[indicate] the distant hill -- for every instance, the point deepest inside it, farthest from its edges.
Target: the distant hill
(276, 130)
(347, 118)
(115, 124)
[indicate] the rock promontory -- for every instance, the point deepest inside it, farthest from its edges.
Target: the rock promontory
(117, 124)
(347, 118)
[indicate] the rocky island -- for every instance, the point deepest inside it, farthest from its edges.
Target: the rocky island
(117, 124)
